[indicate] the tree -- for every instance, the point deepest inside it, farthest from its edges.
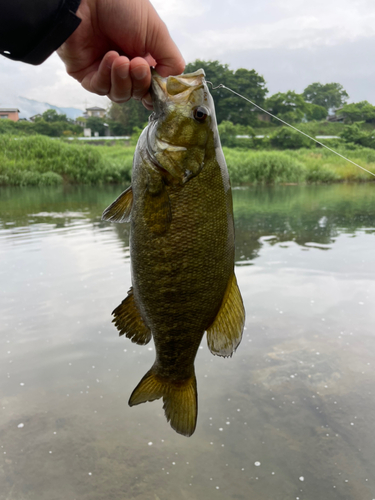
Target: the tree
(287, 138)
(124, 117)
(329, 95)
(96, 124)
(358, 111)
(246, 82)
(228, 132)
(51, 115)
(228, 107)
(315, 112)
(353, 134)
(116, 128)
(56, 129)
(251, 85)
(288, 106)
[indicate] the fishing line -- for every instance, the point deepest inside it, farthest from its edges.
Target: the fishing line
(221, 86)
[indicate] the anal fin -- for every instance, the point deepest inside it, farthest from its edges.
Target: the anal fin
(129, 322)
(120, 209)
(225, 333)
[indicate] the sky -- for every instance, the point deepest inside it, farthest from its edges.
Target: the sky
(291, 43)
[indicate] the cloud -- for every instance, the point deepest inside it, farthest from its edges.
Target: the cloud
(350, 64)
(298, 28)
(291, 42)
(47, 83)
(177, 12)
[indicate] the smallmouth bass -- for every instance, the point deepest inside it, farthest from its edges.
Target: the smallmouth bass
(182, 246)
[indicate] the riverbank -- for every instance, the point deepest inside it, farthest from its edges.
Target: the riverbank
(40, 160)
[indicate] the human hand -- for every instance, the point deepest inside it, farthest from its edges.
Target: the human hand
(112, 49)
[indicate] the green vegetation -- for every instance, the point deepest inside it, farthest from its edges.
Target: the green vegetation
(298, 166)
(354, 135)
(292, 108)
(50, 123)
(330, 95)
(288, 138)
(358, 112)
(323, 166)
(259, 149)
(246, 82)
(307, 110)
(124, 117)
(41, 160)
(247, 167)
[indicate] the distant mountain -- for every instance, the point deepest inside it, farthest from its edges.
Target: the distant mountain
(29, 107)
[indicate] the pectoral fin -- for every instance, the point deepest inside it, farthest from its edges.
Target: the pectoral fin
(157, 211)
(225, 333)
(128, 321)
(120, 209)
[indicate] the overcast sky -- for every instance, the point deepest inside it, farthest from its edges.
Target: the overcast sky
(291, 43)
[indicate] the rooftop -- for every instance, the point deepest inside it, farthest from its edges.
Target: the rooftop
(95, 108)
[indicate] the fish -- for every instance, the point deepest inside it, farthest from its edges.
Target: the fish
(180, 210)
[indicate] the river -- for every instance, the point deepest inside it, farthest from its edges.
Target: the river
(290, 416)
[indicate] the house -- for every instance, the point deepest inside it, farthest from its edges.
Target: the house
(81, 120)
(95, 111)
(335, 117)
(10, 113)
(35, 117)
(264, 117)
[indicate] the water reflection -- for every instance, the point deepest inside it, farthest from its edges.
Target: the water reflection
(303, 214)
(290, 415)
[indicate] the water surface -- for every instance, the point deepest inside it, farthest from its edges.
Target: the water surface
(289, 416)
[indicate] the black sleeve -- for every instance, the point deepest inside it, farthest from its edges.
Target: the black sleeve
(30, 30)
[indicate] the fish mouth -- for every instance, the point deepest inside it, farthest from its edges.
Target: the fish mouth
(175, 87)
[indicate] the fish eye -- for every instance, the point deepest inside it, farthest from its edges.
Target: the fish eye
(200, 114)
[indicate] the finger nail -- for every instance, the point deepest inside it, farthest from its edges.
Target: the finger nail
(123, 71)
(140, 73)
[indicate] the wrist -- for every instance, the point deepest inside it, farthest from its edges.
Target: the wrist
(87, 12)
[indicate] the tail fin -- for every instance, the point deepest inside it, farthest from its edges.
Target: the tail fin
(179, 398)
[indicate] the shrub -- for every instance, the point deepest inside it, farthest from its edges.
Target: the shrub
(287, 138)
(38, 160)
(355, 135)
(263, 167)
(228, 135)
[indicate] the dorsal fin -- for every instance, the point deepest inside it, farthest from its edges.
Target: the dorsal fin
(120, 209)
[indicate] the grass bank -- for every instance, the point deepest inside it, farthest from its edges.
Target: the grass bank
(39, 160)
(316, 165)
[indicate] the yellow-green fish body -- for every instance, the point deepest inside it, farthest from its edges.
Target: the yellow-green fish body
(182, 246)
